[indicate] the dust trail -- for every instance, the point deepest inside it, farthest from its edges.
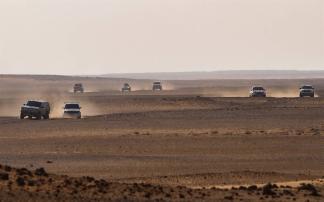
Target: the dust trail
(289, 92)
(136, 87)
(86, 90)
(57, 99)
(168, 86)
(223, 92)
(283, 92)
(10, 108)
(90, 109)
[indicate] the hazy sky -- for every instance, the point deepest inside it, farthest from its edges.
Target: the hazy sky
(108, 36)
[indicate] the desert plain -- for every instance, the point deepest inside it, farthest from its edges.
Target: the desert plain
(197, 140)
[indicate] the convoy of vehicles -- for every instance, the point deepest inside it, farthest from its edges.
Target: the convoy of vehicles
(78, 87)
(41, 109)
(35, 109)
(126, 88)
(258, 91)
(72, 110)
(157, 86)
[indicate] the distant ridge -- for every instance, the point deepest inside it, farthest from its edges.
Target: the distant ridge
(235, 74)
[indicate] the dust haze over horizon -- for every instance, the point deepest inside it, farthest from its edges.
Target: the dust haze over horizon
(85, 37)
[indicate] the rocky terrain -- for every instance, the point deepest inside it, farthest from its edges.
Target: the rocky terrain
(21, 184)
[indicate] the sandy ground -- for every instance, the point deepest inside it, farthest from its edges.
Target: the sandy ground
(185, 139)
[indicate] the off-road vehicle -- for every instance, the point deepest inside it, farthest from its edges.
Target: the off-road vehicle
(72, 110)
(78, 87)
(306, 90)
(157, 86)
(37, 109)
(258, 91)
(126, 88)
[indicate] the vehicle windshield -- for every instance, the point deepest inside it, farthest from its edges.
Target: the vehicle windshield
(78, 85)
(34, 104)
(258, 88)
(307, 87)
(157, 83)
(72, 106)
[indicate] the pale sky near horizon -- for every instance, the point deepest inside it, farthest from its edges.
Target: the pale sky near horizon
(110, 36)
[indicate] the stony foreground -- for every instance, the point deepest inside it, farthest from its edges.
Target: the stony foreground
(21, 184)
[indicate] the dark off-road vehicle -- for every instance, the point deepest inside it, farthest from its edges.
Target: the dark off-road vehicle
(78, 87)
(307, 91)
(126, 88)
(37, 109)
(157, 86)
(258, 91)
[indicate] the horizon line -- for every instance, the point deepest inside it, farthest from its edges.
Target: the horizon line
(167, 72)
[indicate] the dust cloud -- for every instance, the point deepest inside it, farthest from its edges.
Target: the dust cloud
(232, 92)
(168, 86)
(57, 99)
(283, 92)
(136, 87)
(287, 92)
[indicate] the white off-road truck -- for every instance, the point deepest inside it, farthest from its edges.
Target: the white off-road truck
(72, 110)
(258, 91)
(307, 91)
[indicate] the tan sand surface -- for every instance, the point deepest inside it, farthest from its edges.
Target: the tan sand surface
(181, 139)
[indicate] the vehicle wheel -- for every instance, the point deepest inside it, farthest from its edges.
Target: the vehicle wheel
(46, 116)
(22, 116)
(39, 117)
